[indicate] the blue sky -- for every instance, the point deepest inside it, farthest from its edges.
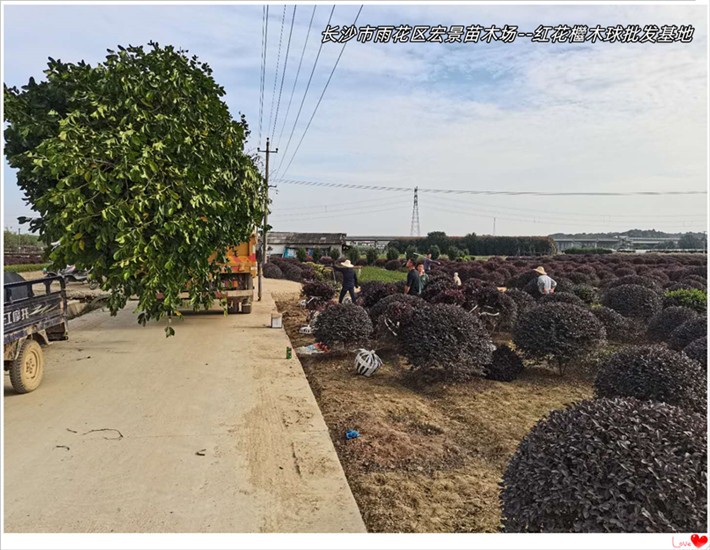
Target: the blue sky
(517, 117)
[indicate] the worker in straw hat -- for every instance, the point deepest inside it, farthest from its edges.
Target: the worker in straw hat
(545, 283)
(349, 280)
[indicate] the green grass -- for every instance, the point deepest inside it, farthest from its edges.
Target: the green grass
(370, 273)
(23, 268)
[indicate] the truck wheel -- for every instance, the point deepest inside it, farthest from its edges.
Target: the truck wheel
(232, 306)
(246, 308)
(27, 369)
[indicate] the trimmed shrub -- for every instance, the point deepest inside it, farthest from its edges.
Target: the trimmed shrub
(436, 285)
(609, 465)
(393, 265)
(446, 343)
(687, 332)
(586, 293)
(698, 351)
(371, 255)
(496, 309)
(272, 271)
(301, 254)
(380, 262)
(506, 365)
(693, 298)
(523, 300)
(318, 290)
(647, 282)
(325, 260)
(379, 308)
(450, 296)
(653, 373)
(618, 328)
(392, 254)
(666, 321)
(558, 331)
(411, 252)
(633, 301)
(393, 318)
(372, 292)
(291, 272)
(435, 252)
(343, 324)
(561, 297)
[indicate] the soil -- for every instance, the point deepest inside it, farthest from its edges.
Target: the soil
(427, 459)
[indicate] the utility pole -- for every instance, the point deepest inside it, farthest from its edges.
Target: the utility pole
(266, 212)
(415, 230)
(494, 227)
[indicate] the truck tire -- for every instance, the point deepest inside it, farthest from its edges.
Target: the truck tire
(27, 369)
(232, 307)
(246, 307)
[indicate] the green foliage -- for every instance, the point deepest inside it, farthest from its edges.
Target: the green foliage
(392, 254)
(13, 240)
(354, 254)
(581, 250)
(435, 252)
(689, 240)
(369, 273)
(23, 268)
(301, 254)
(138, 170)
(317, 254)
(688, 297)
(454, 253)
(371, 254)
(411, 252)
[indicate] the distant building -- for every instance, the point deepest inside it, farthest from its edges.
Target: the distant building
(284, 244)
(614, 243)
(379, 242)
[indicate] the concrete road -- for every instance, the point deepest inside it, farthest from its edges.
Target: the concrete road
(212, 430)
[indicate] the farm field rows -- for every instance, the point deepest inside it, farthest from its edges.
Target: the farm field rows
(443, 430)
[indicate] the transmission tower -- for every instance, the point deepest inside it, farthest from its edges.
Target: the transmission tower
(415, 230)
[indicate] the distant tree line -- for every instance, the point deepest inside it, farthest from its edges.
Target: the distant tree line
(478, 245)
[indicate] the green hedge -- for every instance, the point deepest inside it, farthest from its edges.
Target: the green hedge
(588, 251)
(688, 297)
(23, 268)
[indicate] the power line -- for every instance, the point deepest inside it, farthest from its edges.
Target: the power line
(463, 202)
(351, 212)
(370, 203)
(283, 75)
(298, 72)
(519, 219)
(276, 72)
(475, 192)
(320, 98)
(303, 100)
(264, 36)
(312, 207)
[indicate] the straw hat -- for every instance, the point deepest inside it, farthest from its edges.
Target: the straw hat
(540, 270)
(347, 263)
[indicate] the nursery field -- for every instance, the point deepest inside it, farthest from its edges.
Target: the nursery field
(491, 406)
(427, 461)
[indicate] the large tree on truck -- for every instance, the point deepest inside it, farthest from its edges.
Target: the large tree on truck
(138, 170)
